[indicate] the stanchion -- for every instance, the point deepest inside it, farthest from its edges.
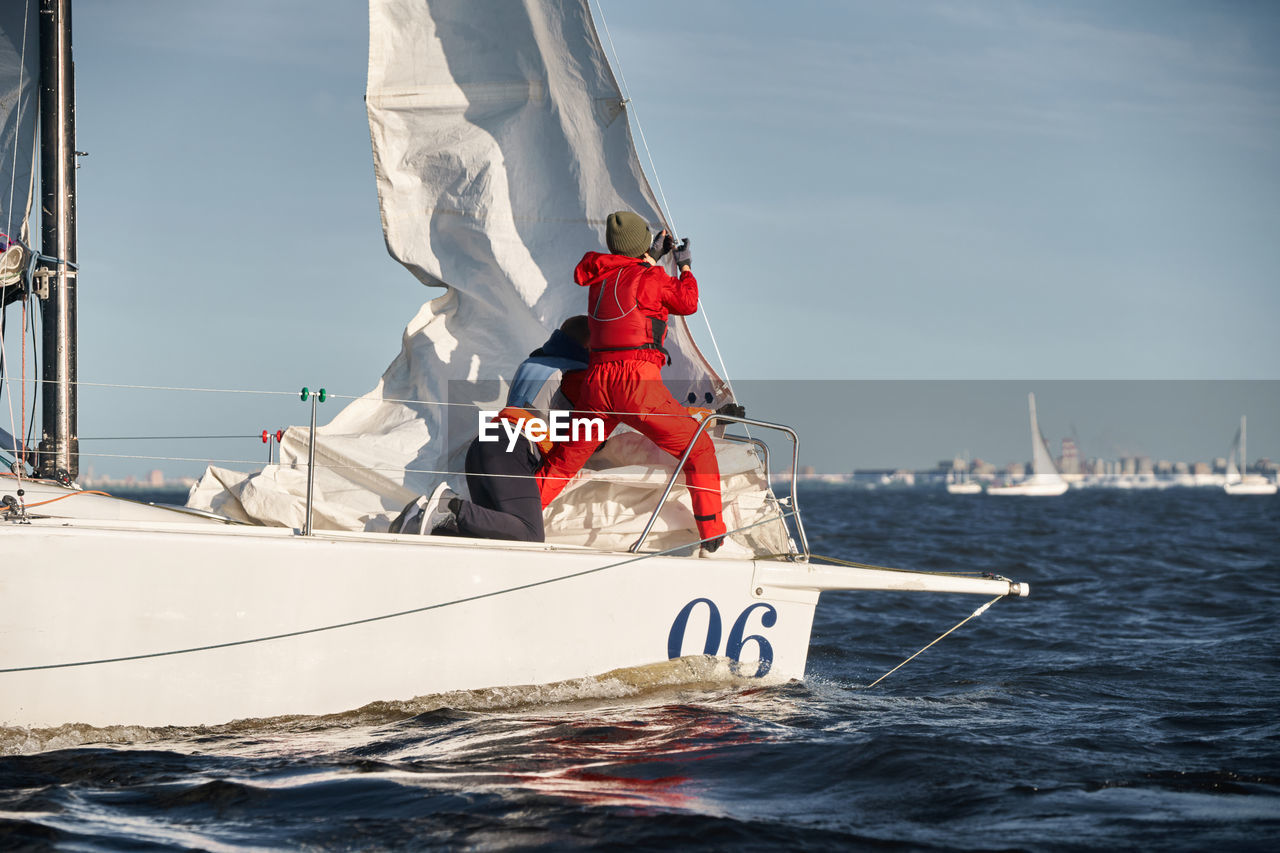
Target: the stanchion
(320, 397)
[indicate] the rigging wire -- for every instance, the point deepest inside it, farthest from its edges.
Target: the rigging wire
(634, 112)
(978, 612)
(407, 401)
(13, 172)
(15, 431)
(626, 99)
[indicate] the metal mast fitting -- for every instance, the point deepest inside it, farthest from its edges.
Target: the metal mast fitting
(59, 442)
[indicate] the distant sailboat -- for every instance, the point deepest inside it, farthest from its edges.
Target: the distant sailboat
(958, 482)
(1045, 481)
(1239, 481)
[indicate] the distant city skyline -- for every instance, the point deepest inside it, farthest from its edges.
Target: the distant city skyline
(913, 424)
(916, 423)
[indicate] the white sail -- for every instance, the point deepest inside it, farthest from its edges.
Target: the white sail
(19, 72)
(1042, 468)
(501, 144)
(1238, 480)
(1045, 481)
(1234, 469)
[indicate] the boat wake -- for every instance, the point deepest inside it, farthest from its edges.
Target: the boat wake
(672, 680)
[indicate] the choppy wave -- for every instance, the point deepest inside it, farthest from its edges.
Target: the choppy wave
(650, 683)
(1130, 703)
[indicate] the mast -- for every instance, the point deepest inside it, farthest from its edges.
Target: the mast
(1035, 438)
(59, 442)
(1244, 456)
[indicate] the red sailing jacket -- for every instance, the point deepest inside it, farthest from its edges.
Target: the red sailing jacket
(628, 306)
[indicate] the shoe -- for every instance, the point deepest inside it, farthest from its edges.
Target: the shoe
(436, 512)
(726, 549)
(410, 518)
(448, 527)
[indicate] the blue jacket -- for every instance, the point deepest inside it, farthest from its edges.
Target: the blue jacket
(538, 377)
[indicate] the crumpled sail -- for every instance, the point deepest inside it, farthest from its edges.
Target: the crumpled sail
(500, 144)
(1042, 468)
(19, 78)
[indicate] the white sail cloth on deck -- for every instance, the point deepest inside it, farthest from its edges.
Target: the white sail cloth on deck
(500, 144)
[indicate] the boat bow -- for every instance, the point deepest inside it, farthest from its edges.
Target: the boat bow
(776, 579)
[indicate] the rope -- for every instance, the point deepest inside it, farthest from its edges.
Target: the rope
(653, 170)
(837, 561)
(70, 495)
(626, 99)
(706, 318)
(366, 621)
(978, 612)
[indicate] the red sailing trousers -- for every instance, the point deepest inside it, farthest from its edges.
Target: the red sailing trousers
(633, 392)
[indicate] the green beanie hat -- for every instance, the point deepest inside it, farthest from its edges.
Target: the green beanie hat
(627, 234)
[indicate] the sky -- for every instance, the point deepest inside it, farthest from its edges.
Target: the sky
(1026, 191)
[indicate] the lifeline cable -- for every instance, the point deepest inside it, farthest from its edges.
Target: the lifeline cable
(634, 478)
(406, 401)
(384, 617)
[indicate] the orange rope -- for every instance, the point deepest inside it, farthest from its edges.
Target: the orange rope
(71, 495)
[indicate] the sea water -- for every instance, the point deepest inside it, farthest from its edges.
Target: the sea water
(1131, 702)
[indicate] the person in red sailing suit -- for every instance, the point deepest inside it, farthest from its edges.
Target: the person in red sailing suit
(629, 301)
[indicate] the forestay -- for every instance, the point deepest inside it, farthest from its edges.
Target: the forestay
(500, 143)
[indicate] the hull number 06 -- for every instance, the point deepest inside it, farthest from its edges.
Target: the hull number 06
(733, 646)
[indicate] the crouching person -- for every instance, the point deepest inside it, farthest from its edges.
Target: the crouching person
(500, 467)
(505, 502)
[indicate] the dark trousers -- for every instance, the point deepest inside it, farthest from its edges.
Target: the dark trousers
(506, 506)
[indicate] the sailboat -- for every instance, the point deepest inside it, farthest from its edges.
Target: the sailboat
(1239, 481)
(959, 482)
(499, 148)
(1045, 481)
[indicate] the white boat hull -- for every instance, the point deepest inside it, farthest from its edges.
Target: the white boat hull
(1250, 487)
(1039, 490)
(73, 595)
(969, 488)
(106, 623)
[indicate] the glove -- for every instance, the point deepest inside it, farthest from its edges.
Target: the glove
(661, 245)
(683, 256)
